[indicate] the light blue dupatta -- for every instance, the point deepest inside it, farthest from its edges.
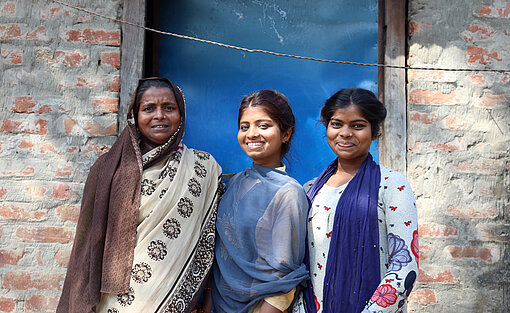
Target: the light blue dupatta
(260, 245)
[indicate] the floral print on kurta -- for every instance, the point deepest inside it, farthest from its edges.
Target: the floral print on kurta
(398, 241)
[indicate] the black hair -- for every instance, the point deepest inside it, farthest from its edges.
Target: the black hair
(371, 108)
(276, 105)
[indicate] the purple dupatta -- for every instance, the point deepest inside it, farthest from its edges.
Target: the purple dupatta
(352, 268)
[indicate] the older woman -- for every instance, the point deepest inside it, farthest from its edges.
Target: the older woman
(145, 236)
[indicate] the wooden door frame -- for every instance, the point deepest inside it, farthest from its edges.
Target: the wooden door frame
(392, 82)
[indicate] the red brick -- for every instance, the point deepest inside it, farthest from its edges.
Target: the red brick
(485, 254)
(32, 280)
(7, 305)
(425, 251)
(85, 82)
(3, 192)
(9, 8)
(95, 129)
(499, 10)
(69, 126)
(38, 34)
(62, 257)
(441, 277)
(48, 147)
(423, 118)
(41, 303)
(429, 75)
(480, 166)
(36, 192)
(98, 150)
(70, 58)
(479, 80)
(489, 100)
(15, 56)
(437, 230)
(114, 84)
(423, 296)
(68, 213)
(62, 192)
(64, 171)
(453, 123)
(444, 147)
(44, 234)
(111, 59)
(28, 126)
(94, 36)
(472, 212)
(83, 19)
(10, 31)
(10, 257)
(105, 104)
(14, 212)
(23, 105)
(52, 12)
(413, 27)
(27, 171)
(477, 32)
(434, 97)
(482, 55)
(38, 257)
(485, 10)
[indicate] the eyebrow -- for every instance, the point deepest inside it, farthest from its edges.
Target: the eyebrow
(355, 121)
(257, 121)
(164, 103)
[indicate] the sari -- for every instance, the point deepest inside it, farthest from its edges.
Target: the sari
(145, 236)
(260, 247)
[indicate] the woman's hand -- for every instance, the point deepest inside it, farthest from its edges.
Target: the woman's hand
(268, 308)
(207, 304)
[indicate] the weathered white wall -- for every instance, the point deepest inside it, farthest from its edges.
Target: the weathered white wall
(458, 154)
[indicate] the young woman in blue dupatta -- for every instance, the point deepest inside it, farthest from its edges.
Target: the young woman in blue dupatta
(362, 244)
(261, 223)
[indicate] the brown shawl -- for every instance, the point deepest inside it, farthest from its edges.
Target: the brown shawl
(104, 243)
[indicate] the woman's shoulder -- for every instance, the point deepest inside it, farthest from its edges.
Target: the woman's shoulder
(309, 184)
(392, 177)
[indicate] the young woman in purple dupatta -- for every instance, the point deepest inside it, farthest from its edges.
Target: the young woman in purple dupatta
(261, 224)
(362, 244)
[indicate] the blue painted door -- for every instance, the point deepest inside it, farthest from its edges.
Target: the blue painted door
(215, 79)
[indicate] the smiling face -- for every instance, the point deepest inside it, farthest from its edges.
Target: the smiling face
(260, 137)
(349, 134)
(158, 115)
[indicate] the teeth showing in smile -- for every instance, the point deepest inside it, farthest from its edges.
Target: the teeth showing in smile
(160, 126)
(254, 144)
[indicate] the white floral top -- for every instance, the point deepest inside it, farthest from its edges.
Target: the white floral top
(398, 241)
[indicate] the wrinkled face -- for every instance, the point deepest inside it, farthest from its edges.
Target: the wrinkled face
(260, 137)
(158, 115)
(349, 134)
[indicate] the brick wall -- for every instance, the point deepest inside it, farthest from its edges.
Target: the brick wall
(58, 104)
(458, 154)
(58, 113)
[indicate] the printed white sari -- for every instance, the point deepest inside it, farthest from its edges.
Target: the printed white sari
(175, 235)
